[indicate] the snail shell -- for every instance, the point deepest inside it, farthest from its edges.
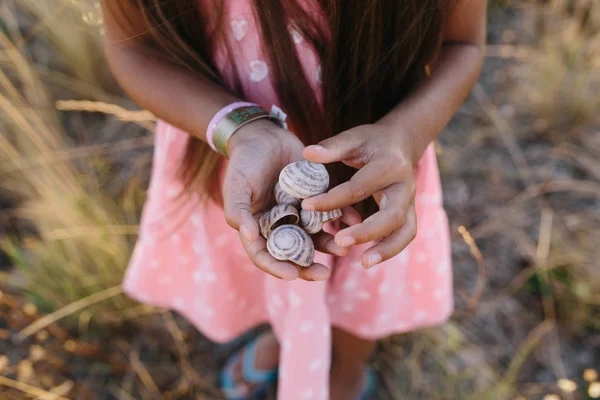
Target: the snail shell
(304, 179)
(332, 215)
(313, 221)
(283, 198)
(291, 243)
(279, 215)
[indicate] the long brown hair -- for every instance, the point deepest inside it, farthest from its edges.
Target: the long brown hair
(373, 53)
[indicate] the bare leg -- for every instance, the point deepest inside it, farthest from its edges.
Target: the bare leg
(349, 357)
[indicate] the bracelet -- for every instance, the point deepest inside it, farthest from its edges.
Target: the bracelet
(219, 116)
(230, 119)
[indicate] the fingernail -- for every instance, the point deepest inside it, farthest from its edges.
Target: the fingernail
(244, 230)
(347, 241)
(317, 148)
(373, 260)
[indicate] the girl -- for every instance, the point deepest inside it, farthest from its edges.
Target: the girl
(367, 85)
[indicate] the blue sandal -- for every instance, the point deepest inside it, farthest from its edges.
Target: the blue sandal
(262, 379)
(369, 389)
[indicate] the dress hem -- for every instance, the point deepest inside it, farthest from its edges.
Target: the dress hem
(347, 327)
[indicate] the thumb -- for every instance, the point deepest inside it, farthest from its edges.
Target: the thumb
(236, 206)
(337, 148)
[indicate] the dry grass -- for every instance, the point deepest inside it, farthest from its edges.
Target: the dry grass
(560, 82)
(79, 242)
(74, 27)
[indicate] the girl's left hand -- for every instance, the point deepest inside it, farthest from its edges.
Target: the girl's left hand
(384, 159)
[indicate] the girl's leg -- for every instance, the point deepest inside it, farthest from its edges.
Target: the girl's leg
(349, 358)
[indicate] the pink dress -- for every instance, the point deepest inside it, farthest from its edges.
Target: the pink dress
(189, 260)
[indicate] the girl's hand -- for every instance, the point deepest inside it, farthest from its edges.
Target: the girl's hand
(258, 153)
(386, 171)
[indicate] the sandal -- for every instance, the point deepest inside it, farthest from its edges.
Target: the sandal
(251, 376)
(369, 389)
(262, 379)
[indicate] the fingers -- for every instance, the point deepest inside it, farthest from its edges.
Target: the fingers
(325, 243)
(340, 147)
(394, 203)
(370, 179)
(350, 216)
(258, 253)
(316, 272)
(237, 198)
(394, 243)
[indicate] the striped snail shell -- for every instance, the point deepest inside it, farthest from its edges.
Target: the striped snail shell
(283, 198)
(303, 179)
(279, 215)
(313, 221)
(291, 243)
(332, 215)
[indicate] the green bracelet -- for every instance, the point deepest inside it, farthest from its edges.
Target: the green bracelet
(233, 121)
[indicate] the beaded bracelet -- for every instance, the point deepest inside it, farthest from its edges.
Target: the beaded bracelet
(231, 118)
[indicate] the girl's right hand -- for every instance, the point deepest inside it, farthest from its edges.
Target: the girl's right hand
(258, 152)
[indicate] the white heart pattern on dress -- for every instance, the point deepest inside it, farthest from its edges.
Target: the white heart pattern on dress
(259, 70)
(239, 29)
(420, 316)
(195, 218)
(315, 365)
(172, 192)
(364, 295)
(222, 240)
(178, 302)
(197, 276)
(350, 285)
(307, 326)
(294, 299)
